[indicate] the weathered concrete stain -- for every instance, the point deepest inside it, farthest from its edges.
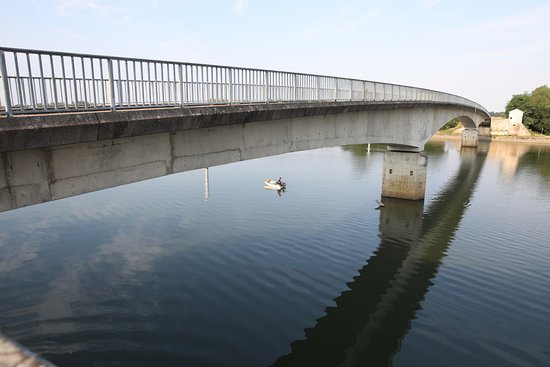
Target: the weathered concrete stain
(404, 175)
(470, 138)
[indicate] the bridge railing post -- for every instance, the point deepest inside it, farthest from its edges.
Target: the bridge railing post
(5, 83)
(294, 81)
(75, 83)
(317, 88)
(180, 83)
(230, 85)
(188, 85)
(111, 84)
(266, 86)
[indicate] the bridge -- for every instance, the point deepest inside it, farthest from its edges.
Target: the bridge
(69, 120)
(55, 99)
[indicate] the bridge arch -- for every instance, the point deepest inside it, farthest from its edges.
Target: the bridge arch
(468, 122)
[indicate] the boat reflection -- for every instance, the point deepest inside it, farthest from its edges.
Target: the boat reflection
(371, 318)
(275, 185)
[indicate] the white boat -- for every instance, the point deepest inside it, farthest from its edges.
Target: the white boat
(274, 185)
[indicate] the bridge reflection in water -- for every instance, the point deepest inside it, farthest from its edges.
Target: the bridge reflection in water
(371, 318)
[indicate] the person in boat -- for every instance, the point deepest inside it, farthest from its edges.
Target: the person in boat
(280, 181)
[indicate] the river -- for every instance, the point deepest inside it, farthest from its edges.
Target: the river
(171, 272)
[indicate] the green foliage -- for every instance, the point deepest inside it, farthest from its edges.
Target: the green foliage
(451, 124)
(519, 101)
(534, 160)
(540, 99)
(536, 108)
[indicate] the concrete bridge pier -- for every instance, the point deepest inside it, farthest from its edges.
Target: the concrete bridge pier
(404, 174)
(470, 137)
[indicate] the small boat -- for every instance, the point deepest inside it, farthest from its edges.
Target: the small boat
(274, 185)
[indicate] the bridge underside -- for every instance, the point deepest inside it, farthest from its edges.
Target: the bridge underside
(42, 174)
(401, 123)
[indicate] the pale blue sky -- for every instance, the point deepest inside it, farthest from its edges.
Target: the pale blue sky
(483, 50)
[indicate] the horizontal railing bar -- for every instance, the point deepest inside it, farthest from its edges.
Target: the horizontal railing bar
(63, 83)
(68, 54)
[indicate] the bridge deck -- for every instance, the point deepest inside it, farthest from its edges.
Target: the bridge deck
(44, 130)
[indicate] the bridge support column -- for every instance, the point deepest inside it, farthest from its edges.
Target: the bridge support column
(404, 175)
(470, 137)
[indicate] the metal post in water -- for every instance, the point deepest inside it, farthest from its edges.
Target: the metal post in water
(206, 184)
(368, 148)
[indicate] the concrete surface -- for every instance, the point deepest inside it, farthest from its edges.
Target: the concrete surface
(404, 175)
(39, 131)
(470, 137)
(42, 174)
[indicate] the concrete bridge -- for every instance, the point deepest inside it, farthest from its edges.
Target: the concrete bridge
(74, 123)
(53, 102)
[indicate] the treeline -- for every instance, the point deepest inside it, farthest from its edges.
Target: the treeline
(536, 108)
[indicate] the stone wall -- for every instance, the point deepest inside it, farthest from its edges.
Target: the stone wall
(503, 126)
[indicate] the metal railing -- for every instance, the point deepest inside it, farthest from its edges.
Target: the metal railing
(33, 81)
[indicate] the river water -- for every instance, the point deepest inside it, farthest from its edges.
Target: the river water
(165, 273)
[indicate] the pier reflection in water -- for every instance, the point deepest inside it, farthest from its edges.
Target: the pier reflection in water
(370, 319)
(153, 274)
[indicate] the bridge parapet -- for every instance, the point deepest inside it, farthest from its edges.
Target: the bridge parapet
(35, 81)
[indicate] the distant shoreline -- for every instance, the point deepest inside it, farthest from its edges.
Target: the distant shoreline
(507, 139)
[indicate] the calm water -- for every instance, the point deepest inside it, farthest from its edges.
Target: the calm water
(155, 274)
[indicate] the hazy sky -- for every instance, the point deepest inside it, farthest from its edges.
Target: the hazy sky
(482, 50)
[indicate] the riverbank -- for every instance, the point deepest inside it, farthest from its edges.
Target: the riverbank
(536, 139)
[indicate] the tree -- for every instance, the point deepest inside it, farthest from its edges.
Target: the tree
(540, 100)
(541, 97)
(519, 101)
(450, 124)
(535, 107)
